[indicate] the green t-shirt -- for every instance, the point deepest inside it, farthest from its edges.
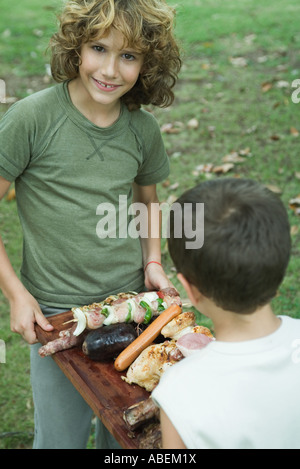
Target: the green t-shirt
(65, 168)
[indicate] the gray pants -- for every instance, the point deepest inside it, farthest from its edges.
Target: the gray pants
(62, 417)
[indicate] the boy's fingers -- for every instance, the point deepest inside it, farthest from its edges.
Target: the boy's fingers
(30, 337)
(43, 322)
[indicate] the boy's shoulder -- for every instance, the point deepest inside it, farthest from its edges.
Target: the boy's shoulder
(143, 120)
(289, 324)
(39, 101)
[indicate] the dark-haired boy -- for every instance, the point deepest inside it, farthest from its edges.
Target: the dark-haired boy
(242, 390)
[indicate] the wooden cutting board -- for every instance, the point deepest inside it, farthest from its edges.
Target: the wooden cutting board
(99, 384)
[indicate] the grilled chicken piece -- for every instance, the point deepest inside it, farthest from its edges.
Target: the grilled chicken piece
(177, 326)
(183, 324)
(147, 369)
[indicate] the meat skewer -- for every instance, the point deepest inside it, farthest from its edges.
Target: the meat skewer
(125, 307)
(128, 307)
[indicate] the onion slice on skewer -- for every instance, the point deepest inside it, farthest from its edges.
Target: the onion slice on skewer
(81, 324)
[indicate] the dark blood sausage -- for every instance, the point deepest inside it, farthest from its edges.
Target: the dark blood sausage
(107, 343)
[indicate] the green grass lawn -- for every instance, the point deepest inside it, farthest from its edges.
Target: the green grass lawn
(240, 60)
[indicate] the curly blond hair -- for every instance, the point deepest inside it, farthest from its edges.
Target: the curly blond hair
(148, 27)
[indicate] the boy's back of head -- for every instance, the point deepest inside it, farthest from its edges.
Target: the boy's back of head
(246, 243)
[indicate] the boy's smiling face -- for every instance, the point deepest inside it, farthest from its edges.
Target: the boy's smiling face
(108, 70)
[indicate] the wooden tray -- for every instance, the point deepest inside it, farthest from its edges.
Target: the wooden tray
(99, 384)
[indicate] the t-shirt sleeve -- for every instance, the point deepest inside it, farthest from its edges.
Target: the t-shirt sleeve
(155, 167)
(16, 134)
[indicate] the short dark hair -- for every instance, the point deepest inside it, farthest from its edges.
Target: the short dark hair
(246, 246)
